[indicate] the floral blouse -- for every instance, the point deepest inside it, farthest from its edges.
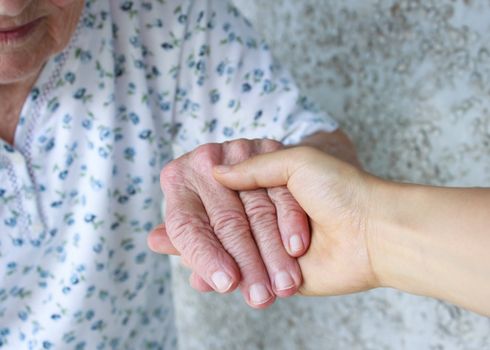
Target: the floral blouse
(79, 189)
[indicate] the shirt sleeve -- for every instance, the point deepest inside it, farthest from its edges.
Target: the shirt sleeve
(229, 85)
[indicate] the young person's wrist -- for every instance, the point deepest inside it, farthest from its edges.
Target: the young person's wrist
(395, 245)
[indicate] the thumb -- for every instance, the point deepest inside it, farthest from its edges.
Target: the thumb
(262, 171)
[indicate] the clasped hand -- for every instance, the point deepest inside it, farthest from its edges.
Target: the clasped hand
(366, 232)
(247, 239)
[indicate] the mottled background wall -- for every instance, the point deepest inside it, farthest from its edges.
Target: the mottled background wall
(410, 82)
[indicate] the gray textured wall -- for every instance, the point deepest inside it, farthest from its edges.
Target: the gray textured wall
(410, 82)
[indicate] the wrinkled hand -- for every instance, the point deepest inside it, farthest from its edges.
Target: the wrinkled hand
(336, 196)
(247, 239)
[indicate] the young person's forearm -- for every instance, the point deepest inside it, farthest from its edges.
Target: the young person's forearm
(434, 241)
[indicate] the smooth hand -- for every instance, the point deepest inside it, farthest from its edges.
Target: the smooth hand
(248, 239)
(367, 232)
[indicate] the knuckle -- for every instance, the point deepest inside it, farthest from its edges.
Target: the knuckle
(291, 212)
(197, 253)
(180, 222)
(241, 144)
(269, 145)
(191, 236)
(280, 193)
(284, 199)
(294, 213)
(171, 174)
(204, 151)
(239, 150)
(260, 211)
(183, 170)
(230, 221)
(205, 156)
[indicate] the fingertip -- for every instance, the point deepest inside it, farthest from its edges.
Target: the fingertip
(259, 295)
(286, 283)
(224, 281)
(296, 245)
(222, 169)
(261, 306)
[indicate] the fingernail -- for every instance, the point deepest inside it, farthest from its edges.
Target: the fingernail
(221, 281)
(259, 294)
(283, 281)
(296, 244)
(222, 169)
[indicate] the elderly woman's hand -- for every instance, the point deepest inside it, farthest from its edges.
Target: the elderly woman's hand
(227, 238)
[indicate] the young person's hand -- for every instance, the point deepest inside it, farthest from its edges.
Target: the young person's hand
(369, 233)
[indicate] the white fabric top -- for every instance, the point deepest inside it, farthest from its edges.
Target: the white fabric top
(79, 191)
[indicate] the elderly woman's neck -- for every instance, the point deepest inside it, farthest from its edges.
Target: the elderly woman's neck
(12, 99)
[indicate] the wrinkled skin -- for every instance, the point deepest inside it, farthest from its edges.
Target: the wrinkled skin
(246, 235)
(338, 199)
(21, 60)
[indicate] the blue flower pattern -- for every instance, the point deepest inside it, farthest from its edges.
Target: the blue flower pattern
(79, 191)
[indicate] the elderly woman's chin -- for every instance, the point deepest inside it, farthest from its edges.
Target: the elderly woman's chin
(31, 32)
